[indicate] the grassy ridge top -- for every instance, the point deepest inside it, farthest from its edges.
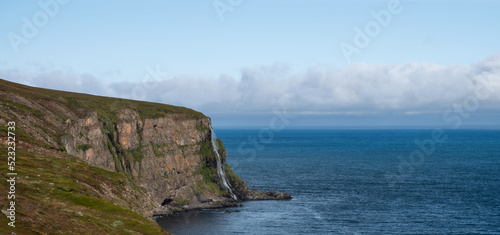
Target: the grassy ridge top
(106, 107)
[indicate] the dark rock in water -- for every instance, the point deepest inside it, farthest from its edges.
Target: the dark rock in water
(229, 211)
(251, 195)
(241, 205)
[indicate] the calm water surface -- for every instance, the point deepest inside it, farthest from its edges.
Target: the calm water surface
(359, 182)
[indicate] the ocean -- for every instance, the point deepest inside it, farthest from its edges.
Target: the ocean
(359, 182)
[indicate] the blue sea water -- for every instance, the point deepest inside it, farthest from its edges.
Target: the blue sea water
(359, 182)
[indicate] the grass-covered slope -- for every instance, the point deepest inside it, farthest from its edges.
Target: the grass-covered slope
(64, 195)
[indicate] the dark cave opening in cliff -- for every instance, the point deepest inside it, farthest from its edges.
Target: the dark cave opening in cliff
(166, 201)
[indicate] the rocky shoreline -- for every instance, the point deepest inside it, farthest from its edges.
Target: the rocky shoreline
(223, 202)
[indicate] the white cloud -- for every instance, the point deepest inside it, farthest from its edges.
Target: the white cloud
(410, 88)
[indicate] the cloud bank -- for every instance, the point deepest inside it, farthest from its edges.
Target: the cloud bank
(358, 89)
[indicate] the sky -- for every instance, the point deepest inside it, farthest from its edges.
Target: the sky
(305, 63)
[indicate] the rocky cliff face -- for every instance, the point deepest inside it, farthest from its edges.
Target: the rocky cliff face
(161, 155)
(165, 151)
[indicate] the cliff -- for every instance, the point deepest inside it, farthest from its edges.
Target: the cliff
(149, 158)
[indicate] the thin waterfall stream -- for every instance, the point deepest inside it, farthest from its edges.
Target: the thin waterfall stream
(220, 170)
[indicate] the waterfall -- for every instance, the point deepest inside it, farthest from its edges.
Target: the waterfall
(220, 170)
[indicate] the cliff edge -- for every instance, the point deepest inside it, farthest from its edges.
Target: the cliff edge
(162, 156)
